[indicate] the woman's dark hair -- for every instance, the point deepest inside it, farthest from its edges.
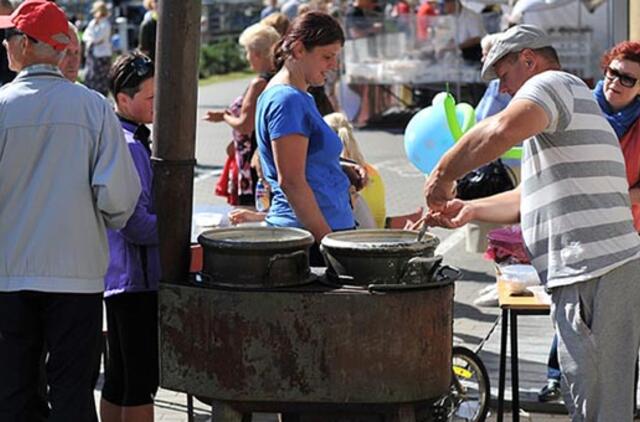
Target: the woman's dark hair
(626, 50)
(312, 29)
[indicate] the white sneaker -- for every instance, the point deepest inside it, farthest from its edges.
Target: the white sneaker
(488, 298)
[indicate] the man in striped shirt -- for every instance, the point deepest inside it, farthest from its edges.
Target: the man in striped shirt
(574, 209)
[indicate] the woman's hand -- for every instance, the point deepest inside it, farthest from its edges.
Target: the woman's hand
(215, 116)
(243, 215)
(356, 173)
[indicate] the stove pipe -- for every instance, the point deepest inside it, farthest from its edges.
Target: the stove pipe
(175, 104)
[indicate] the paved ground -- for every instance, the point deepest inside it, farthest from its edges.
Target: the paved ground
(404, 186)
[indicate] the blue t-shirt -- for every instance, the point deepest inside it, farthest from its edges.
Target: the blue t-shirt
(285, 110)
(492, 102)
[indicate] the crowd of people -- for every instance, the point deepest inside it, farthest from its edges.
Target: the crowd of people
(79, 224)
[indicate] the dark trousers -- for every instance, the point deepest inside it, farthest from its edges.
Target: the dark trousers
(69, 326)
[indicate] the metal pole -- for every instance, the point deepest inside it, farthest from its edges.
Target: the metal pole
(174, 130)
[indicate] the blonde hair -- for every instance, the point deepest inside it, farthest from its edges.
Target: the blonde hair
(350, 149)
(149, 4)
(279, 21)
(101, 8)
(259, 38)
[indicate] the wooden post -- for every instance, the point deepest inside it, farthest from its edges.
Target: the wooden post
(174, 129)
(634, 20)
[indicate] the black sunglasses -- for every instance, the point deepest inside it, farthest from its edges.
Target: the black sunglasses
(13, 32)
(140, 66)
(625, 80)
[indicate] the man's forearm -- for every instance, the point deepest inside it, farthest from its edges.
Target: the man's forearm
(503, 208)
(479, 146)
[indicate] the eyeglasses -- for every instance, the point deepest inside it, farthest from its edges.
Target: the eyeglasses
(625, 80)
(140, 66)
(12, 32)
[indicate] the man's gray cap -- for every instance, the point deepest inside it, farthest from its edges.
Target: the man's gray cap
(514, 39)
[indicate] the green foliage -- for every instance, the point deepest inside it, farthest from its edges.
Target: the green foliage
(221, 57)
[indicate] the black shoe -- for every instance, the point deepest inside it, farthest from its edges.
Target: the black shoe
(550, 392)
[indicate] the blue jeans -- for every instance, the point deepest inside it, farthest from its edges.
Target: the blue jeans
(553, 366)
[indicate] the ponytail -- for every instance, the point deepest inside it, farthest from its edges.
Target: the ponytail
(279, 54)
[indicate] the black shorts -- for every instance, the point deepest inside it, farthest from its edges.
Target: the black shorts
(131, 373)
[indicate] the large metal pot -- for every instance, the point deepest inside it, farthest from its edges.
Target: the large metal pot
(363, 257)
(256, 256)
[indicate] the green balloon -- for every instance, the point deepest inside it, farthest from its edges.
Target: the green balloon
(468, 114)
(450, 113)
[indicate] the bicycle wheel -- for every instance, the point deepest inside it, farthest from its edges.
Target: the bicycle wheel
(469, 387)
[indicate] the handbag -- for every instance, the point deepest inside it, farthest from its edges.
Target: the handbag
(490, 179)
(227, 184)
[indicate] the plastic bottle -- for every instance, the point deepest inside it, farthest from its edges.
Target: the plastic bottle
(262, 196)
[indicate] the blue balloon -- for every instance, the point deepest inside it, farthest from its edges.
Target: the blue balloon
(427, 137)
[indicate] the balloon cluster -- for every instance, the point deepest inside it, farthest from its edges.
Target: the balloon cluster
(433, 130)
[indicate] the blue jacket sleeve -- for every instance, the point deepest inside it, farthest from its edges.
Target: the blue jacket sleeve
(142, 227)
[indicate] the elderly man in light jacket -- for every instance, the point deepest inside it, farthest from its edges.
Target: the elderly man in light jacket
(65, 176)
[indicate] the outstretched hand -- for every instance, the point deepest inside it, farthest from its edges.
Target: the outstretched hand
(215, 116)
(455, 213)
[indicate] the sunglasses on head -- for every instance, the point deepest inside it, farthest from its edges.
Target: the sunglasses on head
(625, 80)
(140, 66)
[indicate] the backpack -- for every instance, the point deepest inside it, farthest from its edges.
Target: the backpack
(490, 179)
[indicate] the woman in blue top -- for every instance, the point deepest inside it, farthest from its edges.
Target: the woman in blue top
(299, 153)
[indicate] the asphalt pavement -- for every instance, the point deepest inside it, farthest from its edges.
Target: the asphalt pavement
(473, 326)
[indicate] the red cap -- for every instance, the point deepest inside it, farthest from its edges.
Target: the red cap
(42, 20)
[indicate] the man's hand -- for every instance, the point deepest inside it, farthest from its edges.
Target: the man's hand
(438, 192)
(215, 116)
(454, 214)
(356, 173)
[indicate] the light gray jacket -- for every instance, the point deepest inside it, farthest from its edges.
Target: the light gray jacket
(65, 175)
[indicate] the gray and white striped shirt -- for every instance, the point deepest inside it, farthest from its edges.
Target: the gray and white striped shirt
(575, 210)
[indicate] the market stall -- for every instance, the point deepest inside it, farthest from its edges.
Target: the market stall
(389, 61)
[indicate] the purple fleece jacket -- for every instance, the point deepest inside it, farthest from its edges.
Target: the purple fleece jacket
(134, 263)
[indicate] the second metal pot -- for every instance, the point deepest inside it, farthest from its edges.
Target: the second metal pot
(363, 257)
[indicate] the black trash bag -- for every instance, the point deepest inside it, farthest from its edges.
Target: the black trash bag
(490, 179)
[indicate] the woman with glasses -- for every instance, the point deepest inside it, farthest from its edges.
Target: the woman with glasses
(618, 95)
(97, 39)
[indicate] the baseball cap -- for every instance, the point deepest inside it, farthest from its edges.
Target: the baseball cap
(514, 39)
(42, 20)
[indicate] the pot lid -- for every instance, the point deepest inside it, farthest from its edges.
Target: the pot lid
(256, 238)
(379, 239)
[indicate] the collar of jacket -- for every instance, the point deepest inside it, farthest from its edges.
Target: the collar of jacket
(40, 70)
(140, 132)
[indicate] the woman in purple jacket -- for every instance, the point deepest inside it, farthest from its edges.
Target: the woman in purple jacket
(131, 282)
